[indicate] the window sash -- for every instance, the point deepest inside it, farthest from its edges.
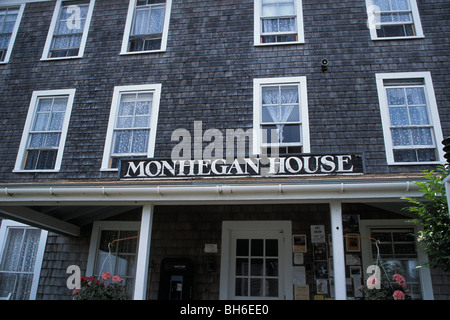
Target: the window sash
(8, 21)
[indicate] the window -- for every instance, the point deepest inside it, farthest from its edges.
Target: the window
(9, 25)
(147, 26)
(410, 118)
(21, 253)
(45, 131)
(398, 253)
(393, 19)
(280, 114)
(113, 249)
(256, 260)
(68, 29)
(278, 22)
(132, 124)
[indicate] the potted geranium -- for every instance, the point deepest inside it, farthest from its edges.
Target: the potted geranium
(106, 288)
(388, 290)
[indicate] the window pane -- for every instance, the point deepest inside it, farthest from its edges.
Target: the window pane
(416, 96)
(290, 133)
(272, 267)
(256, 288)
(400, 5)
(257, 247)
(241, 266)
(426, 154)
(256, 267)
(399, 116)
(270, 95)
(140, 141)
(272, 248)
(401, 137)
(422, 136)
(156, 21)
(122, 141)
(289, 94)
(396, 97)
(241, 287)
(419, 115)
(11, 255)
(405, 156)
(242, 247)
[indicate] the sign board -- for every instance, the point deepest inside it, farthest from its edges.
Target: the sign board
(289, 165)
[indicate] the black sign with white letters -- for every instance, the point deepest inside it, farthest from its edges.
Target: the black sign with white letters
(289, 165)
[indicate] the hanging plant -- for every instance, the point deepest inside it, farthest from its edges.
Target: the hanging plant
(106, 288)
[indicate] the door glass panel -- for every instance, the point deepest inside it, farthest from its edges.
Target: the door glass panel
(256, 268)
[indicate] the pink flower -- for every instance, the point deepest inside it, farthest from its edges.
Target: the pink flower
(117, 279)
(75, 291)
(400, 280)
(106, 275)
(398, 295)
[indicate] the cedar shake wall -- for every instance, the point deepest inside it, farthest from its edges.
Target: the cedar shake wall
(207, 75)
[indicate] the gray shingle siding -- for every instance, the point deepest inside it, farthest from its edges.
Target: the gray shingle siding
(207, 75)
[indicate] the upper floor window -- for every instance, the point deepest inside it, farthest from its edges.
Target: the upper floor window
(9, 24)
(45, 131)
(147, 26)
(21, 253)
(278, 22)
(393, 19)
(132, 123)
(68, 30)
(411, 125)
(280, 114)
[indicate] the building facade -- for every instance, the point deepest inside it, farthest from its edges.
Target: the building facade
(218, 149)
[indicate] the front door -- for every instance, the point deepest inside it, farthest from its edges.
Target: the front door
(257, 262)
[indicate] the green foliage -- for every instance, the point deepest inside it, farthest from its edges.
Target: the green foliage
(433, 214)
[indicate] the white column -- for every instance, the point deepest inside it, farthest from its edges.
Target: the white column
(145, 235)
(338, 250)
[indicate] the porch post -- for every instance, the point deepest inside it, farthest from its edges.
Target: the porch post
(338, 250)
(145, 235)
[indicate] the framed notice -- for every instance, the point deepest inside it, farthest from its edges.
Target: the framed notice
(299, 241)
(301, 292)
(352, 243)
(318, 233)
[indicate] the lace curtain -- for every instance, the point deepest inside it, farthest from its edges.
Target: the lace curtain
(149, 20)
(408, 113)
(279, 104)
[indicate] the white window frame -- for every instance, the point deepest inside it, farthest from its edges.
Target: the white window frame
(366, 225)
(14, 32)
(5, 226)
(97, 228)
(257, 110)
(118, 91)
(432, 109)
(257, 28)
(285, 257)
(373, 20)
(129, 26)
(51, 31)
(70, 93)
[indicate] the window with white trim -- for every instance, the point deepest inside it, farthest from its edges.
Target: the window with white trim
(410, 118)
(278, 22)
(132, 124)
(280, 115)
(394, 19)
(21, 252)
(68, 30)
(147, 26)
(9, 25)
(45, 131)
(113, 249)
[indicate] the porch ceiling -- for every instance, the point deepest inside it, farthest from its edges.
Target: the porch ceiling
(61, 219)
